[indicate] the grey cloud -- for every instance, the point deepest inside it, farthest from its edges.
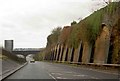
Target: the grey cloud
(33, 22)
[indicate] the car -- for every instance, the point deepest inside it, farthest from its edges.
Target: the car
(32, 61)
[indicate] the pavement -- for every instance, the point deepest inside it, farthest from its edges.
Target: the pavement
(7, 67)
(56, 72)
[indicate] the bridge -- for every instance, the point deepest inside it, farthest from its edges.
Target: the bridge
(26, 51)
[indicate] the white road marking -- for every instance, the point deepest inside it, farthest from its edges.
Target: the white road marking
(53, 77)
(97, 70)
(86, 75)
(53, 73)
(80, 75)
(103, 72)
(57, 73)
(94, 77)
(68, 72)
(59, 78)
(90, 69)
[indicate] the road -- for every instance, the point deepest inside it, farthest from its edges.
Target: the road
(54, 71)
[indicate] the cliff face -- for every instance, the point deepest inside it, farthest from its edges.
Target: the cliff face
(98, 32)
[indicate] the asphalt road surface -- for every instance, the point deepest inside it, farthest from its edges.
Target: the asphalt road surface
(54, 71)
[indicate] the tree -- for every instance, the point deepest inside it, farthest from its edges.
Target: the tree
(52, 39)
(73, 23)
(56, 30)
(64, 34)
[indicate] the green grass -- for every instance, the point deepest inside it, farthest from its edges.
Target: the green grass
(3, 57)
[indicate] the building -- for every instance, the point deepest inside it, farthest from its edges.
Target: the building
(9, 45)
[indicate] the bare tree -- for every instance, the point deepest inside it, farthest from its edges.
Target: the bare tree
(108, 1)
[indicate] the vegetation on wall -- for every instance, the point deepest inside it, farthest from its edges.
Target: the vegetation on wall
(116, 42)
(73, 40)
(63, 38)
(88, 29)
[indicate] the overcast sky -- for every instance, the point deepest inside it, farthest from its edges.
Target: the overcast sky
(29, 22)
